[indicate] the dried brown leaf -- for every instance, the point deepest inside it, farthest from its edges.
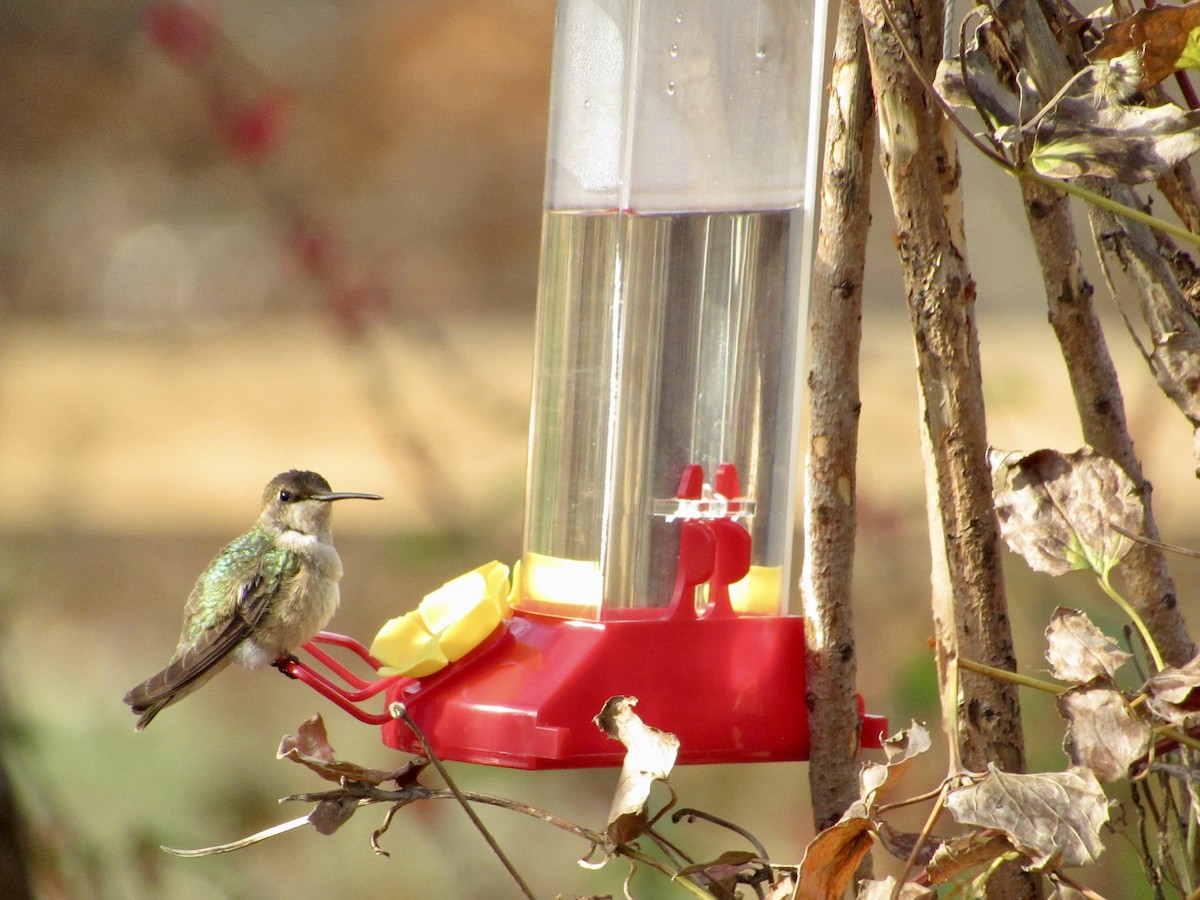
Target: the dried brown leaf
(735, 860)
(649, 756)
(901, 844)
(982, 89)
(1057, 510)
(724, 869)
(901, 749)
(1078, 651)
(310, 747)
(1164, 38)
(1102, 734)
(1053, 818)
(963, 853)
(832, 858)
(1172, 694)
(882, 890)
(331, 814)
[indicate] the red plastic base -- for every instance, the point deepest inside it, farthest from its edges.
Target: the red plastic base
(731, 688)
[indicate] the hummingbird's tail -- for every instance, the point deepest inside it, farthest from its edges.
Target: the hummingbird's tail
(176, 681)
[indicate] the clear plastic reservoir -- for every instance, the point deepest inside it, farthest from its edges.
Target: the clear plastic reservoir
(673, 291)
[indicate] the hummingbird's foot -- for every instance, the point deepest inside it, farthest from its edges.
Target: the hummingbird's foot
(284, 661)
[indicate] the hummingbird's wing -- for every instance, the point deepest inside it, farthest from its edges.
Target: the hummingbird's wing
(205, 653)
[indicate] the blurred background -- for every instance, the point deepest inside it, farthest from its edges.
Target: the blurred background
(304, 233)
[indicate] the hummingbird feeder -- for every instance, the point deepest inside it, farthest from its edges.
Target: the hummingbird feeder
(676, 247)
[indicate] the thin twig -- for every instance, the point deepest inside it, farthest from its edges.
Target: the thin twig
(689, 813)
(930, 821)
(400, 712)
(1142, 539)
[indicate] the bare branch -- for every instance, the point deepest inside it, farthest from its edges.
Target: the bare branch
(830, 475)
(970, 608)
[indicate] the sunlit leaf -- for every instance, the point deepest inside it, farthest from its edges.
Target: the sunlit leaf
(885, 888)
(964, 853)
(1164, 38)
(901, 749)
(1053, 818)
(784, 887)
(1078, 651)
(649, 756)
(1057, 510)
(1102, 734)
(832, 858)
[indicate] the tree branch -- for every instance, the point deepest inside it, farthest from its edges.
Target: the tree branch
(835, 320)
(970, 609)
(1090, 368)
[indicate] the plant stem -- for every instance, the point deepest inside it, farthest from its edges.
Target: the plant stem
(1048, 687)
(1137, 620)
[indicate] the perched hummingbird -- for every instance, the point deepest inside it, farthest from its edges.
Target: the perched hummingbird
(265, 594)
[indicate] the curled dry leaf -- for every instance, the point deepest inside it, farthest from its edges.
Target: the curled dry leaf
(724, 870)
(1057, 510)
(883, 890)
(901, 749)
(964, 853)
(330, 815)
(310, 747)
(1053, 818)
(649, 757)
(832, 857)
(1172, 694)
(901, 844)
(981, 89)
(1102, 734)
(1078, 651)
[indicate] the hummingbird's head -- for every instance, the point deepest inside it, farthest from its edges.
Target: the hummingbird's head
(299, 501)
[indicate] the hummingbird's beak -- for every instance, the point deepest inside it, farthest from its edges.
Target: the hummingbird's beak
(346, 495)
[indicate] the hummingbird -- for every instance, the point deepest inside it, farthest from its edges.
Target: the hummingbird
(266, 593)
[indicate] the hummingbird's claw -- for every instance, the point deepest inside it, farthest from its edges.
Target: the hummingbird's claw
(284, 661)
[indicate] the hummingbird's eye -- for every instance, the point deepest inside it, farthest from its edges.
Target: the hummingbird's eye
(285, 496)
